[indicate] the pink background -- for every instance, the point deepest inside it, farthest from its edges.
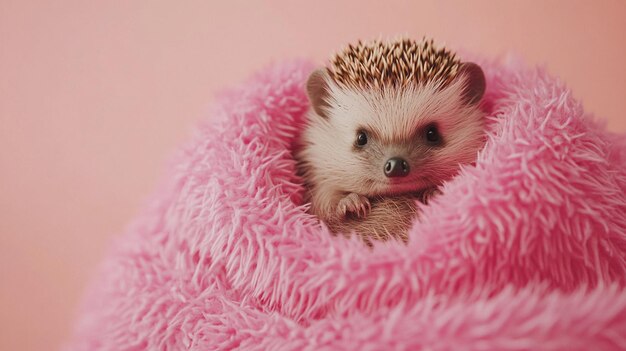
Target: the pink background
(94, 95)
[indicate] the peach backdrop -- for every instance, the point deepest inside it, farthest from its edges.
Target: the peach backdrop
(94, 95)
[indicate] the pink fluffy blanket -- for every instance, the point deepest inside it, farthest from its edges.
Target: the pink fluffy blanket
(526, 250)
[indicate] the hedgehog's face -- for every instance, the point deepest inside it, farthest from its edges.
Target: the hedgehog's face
(396, 140)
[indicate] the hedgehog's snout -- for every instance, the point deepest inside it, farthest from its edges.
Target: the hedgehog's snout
(396, 167)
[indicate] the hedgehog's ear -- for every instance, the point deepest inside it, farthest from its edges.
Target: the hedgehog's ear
(474, 82)
(319, 91)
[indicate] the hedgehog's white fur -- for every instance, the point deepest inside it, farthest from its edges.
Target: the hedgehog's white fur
(332, 168)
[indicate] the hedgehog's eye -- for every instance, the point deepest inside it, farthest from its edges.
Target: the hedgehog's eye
(361, 138)
(432, 134)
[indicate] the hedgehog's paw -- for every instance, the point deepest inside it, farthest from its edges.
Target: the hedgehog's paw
(428, 194)
(356, 204)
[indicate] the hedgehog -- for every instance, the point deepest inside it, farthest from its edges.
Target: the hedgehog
(389, 122)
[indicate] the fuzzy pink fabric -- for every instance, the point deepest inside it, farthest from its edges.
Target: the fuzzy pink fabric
(526, 250)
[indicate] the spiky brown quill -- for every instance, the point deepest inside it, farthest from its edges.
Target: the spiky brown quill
(392, 63)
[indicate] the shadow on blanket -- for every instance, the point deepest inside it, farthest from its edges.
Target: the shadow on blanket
(524, 250)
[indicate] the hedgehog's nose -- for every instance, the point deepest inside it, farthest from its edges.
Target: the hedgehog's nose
(396, 167)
